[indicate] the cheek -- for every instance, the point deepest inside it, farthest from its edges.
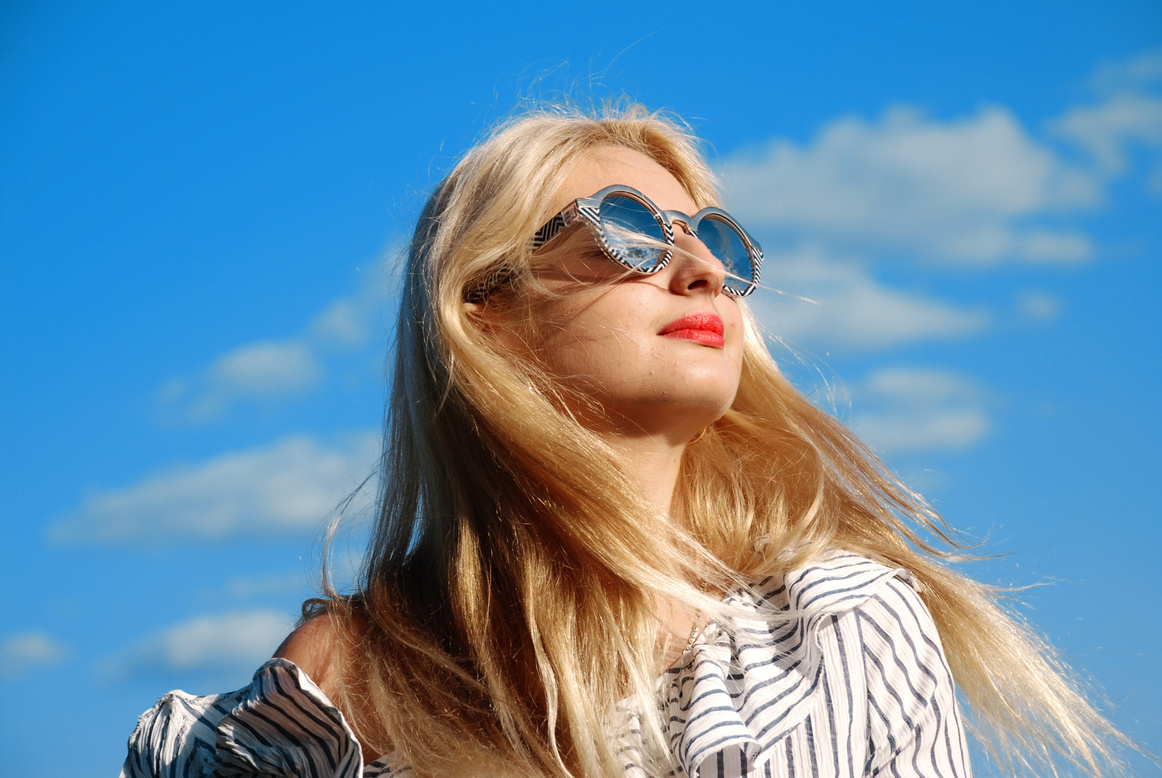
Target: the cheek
(736, 344)
(595, 337)
(585, 345)
(732, 374)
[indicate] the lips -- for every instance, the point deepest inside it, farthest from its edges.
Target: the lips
(704, 328)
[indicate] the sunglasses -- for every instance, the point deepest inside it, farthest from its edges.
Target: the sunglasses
(638, 235)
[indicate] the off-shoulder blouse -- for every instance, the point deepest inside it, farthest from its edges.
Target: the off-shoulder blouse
(854, 683)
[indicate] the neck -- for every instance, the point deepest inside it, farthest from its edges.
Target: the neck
(653, 463)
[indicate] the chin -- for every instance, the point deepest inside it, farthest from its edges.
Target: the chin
(676, 414)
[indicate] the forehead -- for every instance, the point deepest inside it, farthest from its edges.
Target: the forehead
(609, 165)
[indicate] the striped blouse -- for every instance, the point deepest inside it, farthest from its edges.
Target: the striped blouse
(854, 683)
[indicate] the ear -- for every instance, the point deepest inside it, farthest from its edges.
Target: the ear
(495, 324)
(484, 318)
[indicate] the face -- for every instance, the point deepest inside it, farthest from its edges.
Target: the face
(662, 353)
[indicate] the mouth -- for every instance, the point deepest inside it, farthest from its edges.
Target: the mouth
(704, 328)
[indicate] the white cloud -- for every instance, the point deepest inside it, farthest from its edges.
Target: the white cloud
(1138, 72)
(963, 190)
(270, 369)
(347, 322)
(246, 587)
(847, 309)
(1039, 306)
(1127, 116)
(289, 487)
(217, 644)
(262, 369)
(1108, 129)
(21, 653)
(907, 410)
(267, 367)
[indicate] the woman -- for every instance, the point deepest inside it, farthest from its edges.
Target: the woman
(612, 538)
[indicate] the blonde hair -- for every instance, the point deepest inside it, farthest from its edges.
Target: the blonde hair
(507, 601)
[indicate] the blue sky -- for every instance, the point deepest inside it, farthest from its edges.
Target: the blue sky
(198, 209)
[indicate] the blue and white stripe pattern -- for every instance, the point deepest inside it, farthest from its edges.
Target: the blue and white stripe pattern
(855, 685)
(852, 683)
(280, 725)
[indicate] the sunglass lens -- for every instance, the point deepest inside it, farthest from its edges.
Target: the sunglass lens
(727, 245)
(632, 232)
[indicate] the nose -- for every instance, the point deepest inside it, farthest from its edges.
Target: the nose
(695, 269)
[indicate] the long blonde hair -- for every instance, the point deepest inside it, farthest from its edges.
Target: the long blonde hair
(507, 601)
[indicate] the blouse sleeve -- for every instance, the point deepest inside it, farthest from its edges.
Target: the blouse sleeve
(914, 725)
(177, 736)
(280, 725)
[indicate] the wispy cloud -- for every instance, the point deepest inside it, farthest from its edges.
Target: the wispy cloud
(1038, 306)
(219, 645)
(1107, 129)
(288, 487)
(1126, 116)
(909, 410)
(1142, 71)
(264, 369)
(246, 586)
(838, 305)
(272, 369)
(347, 322)
(968, 190)
(22, 653)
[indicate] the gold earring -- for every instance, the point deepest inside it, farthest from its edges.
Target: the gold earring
(700, 434)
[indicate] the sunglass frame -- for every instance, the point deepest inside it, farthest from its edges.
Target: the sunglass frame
(587, 210)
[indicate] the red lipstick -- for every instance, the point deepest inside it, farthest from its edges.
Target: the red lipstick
(704, 328)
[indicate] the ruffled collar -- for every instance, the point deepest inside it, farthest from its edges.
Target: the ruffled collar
(742, 689)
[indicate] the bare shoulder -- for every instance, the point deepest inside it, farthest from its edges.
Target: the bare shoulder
(312, 647)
